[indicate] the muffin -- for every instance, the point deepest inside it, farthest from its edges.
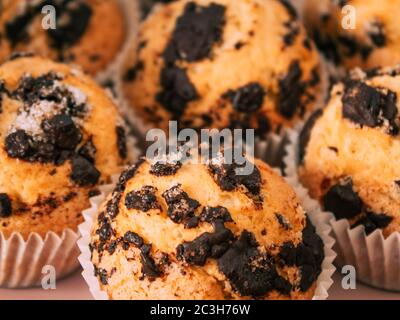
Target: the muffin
(222, 64)
(61, 136)
(374, 42)
(160, 236)
(89, 33)
(349, 152)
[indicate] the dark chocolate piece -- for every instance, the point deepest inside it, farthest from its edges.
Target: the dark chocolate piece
(5, 205)
(305, 134)
(248, 98)
(180, 206)
(144, 199)
(343, 201)
(84, 172)
(251, 272)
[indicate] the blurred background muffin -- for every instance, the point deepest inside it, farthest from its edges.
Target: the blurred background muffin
(223, 64)
(61, 136)
(89, 33)
(374, 42)
(350, 152)
(159, 236)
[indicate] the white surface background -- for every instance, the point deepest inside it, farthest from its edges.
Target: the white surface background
(75, 288)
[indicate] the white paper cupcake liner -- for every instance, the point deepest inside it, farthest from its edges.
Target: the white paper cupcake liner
(319, 220)
(22, 261)
(376, 259)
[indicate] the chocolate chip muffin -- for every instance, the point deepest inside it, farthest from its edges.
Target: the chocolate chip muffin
(350, 152)
(60, 136)
(88, 33)
(374, 42)
(223, 64)
(159, 235)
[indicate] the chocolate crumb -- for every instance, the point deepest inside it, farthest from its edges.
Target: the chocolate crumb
(144, 199)
(180, 206)
(5, 205)
(121, 142)
(282, 221)
(248, 98)
(373, 221)
(212, 214)
(343, 201)
(84, 172)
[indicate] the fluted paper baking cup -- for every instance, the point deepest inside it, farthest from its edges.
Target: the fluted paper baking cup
(376, 259)
(319, 220)
(22, 261)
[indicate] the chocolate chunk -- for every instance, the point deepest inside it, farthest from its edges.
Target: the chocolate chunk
(45, 152)
(149, 267)
(226, 177)
(132, 72)
(73, 21)
(251, 272)
(293, 31)
(5, 205)
(16, 30)
(104, 231)
(94, 193)
(308, 256)
(282, 221)
(3, 90)
(212, 214)
(62, 132)
(343, 201)
(291, 91)
(377, 34)
(112, 206)
(327, 46)
(196, 31)
(365, 105)
(349, 44)
(192, 222)
(84, 172)
(207, 245)
(133, 238)
(373, 221)
(144, 199)
(289, 8)
(112, 246)
(177, 90)
(305, 134)
(161, 169)
(32, 89)
(102, 274)
(180, 206)
(19, 145)
(288, 254)
(248, 98)
(121, 142)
